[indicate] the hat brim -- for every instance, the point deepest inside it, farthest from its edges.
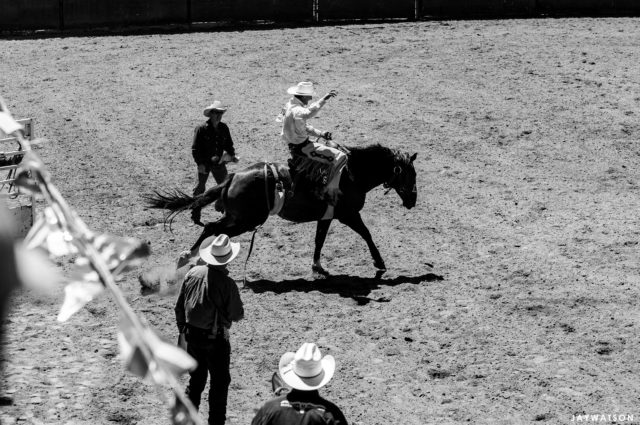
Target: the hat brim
(294, 91)
(208, 111)
(290, 378)
(207, 257)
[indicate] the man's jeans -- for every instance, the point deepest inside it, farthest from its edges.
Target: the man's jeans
(219, 172)
(213, 357)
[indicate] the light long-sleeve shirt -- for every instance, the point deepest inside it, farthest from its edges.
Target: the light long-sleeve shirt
(295, 129)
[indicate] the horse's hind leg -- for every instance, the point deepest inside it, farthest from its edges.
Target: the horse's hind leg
(212, 228)
(224, 225)
(354, 221)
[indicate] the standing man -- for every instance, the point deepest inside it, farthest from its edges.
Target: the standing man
(209, 301)
(296, 132)
(210, 141)
(305, 371)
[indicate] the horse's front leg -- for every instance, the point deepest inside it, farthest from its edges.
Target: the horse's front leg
(321, 235)
(354, 221)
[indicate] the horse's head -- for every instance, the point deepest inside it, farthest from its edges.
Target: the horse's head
(403, 179)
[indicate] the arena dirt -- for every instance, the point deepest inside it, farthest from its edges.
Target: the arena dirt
(512, 290)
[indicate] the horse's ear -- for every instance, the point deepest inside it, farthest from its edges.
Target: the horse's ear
(413, 157)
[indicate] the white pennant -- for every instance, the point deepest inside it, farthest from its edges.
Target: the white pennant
(46, 233)
(170, 359)
(7, 124)
(76, 296)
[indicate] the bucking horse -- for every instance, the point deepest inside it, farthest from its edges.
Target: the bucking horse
(249, 196)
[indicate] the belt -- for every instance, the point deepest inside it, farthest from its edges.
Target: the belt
(204, 333)
(295, 148)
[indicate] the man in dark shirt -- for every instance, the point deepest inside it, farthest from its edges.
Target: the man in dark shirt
(208, 302)
(305, 372)
(210, 142)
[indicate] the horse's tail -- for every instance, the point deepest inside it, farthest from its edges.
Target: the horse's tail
(176, 201)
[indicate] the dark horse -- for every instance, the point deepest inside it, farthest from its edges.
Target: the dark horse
(248, 196)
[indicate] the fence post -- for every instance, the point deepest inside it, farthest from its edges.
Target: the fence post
(61, 14)
(418, 10)
(189, 19)
(316, 15)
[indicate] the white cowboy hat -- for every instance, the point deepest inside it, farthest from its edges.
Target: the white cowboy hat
(215, 106)
(218, 250)
(306, 369)
(304, 88)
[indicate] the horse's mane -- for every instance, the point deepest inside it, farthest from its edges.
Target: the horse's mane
(363, 160)
(375, 155)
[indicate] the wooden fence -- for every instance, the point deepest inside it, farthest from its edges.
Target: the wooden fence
(60, 15)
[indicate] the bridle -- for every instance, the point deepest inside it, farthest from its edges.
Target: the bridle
(397, 170)
(392, 183)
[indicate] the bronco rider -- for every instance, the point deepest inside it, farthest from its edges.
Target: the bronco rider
(296, 132)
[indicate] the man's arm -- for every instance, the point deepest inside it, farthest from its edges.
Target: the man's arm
(228, 142)
(235, 308)
(181, 320)
(196, 147)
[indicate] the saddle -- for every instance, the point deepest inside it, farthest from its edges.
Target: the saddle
(311, 175)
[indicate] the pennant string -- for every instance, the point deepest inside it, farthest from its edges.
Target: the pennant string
(107, 257)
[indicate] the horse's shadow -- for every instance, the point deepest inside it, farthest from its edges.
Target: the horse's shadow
(355, 287)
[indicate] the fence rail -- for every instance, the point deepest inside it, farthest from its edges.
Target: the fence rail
(61, 15)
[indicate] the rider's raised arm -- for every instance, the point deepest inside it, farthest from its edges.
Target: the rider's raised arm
(306, 112)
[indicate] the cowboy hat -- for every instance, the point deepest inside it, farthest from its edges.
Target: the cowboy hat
(215, 106)
(306, 369)
(304, 88)
(218, 250)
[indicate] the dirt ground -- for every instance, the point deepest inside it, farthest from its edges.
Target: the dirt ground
(528, 165)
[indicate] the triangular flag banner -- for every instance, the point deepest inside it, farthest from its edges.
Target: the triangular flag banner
(83, 271)
(167, 359)
(171, 358)
(130, 352)
(138, 364)
(76, 296)
(35, 269)
(26, 183)
(116, 250)
(46, 233)
(180, 414)
(7, 124)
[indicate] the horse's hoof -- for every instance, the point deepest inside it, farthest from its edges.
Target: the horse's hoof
(379, 273)
(320, 271)
(183, 259)
(380, 265)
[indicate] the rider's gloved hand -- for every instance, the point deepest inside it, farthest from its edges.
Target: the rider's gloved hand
(329, 95)
(326, 135)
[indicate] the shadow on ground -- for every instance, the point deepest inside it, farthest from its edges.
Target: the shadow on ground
(357, 288)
